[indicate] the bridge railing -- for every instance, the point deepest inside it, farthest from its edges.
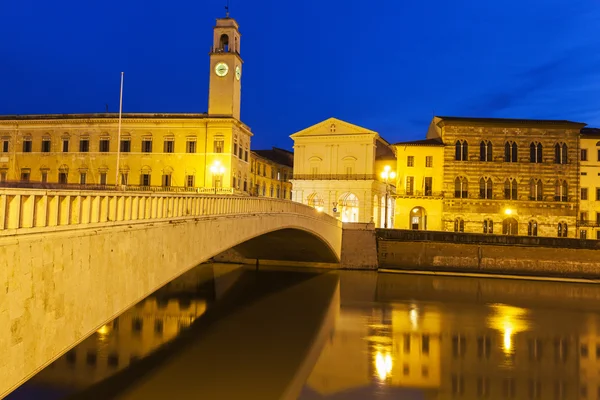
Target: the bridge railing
(30, 210)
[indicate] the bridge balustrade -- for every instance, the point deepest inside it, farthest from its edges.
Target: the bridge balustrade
(27, 210)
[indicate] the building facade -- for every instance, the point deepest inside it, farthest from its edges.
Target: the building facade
(271, 172)
(588, 223)
(337, 169)
(209, 150)
(517, 177)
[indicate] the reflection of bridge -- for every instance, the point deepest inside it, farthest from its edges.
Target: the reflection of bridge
(72, 260)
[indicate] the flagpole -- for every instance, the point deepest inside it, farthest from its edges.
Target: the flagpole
(119, 132)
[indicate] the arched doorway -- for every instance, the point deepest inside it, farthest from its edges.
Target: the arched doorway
(510, 226)
(417, 219)
(315, 201)
(349, 207)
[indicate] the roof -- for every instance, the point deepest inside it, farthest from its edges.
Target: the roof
(384, 152)
(509, 121)
(277, 155)
(425, 142)
(103, 115)
(590, 132)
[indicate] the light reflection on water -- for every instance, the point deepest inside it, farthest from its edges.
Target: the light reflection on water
(396, 336)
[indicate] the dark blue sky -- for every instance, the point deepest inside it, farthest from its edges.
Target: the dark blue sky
(385, 65)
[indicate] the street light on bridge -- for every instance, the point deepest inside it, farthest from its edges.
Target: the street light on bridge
(217, 170)
(386, 175)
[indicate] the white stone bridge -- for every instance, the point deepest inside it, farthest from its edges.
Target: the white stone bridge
(72, 260)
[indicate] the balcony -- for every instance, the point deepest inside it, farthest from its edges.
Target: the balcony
(335, 177)
(418, 193)
(588, 223)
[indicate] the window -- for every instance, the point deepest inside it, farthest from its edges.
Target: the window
(583, 154)
(535, 152)
(190, 146)
(485, 188)
(584, 193)
(599, 157)
(147, 145)
(535, 190)
(82, 178)
(461, 150)
(458, 384)
(510, 226)
(488, 226)
(246, 155)
(510, 152)
(561, 191)
(510, 189)
(84, 145)
(145, 179)
(597, 194)
(125, 145)
(562, 229)
(2, 176)
(271, 191)
(560, 153)
(104, 145)
(25, 174)
(169, 146)
(461, 189)
(46, 145)
(103, 178)
(583, 234)
(485, 151)
(65, 145)
(584, 173)
(429, 161)
(235, 148)
(425, 344)
(583, 350)
(509, 388)
(459, 225)
(428, 186)
(219, 144)
(44, 176)
(532, 228)
(190, 181)
(410, 161)
(458, 346)
(166, 180)
(241, 153)
(278, 192)
(410, 185)
(27, 145)
(5, 145)
(483, 387)
(124, 178)
(158, 327)
(62, 177)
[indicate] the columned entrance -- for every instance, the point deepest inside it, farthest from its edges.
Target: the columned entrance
(418, 219)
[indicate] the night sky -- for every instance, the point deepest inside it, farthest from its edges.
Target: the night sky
(385, 65)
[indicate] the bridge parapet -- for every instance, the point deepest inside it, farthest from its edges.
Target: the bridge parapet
(24, 211)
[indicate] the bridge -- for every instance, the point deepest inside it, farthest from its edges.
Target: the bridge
(72, 260)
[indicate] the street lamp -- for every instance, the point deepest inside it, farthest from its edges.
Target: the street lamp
(387, 174)
(217, 170)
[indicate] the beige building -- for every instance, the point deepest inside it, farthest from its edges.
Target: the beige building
(208, 150)
(589, 196)
(271, 172)
(509, 176)
(337, 169)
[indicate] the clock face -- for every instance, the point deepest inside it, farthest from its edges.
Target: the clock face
(238, 72)
(221, 69)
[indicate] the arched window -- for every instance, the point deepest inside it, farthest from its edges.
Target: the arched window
(270, 190)
(510, 152)
(485, 150)
(348, 203)
(314, 200)
(461, 187)
(561, 191)
(461, 150)
(459, 225)
(510, 189)
(278, 192)
(532, 228)
(485, 188)
(560, 153)
(224, 43)
(535, 152)
(562, 229)
(536, 192)
(488, 226)
(510, 226)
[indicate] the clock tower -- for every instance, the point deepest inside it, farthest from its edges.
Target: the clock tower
(225, 89)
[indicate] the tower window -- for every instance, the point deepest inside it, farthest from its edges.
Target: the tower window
(224, 43)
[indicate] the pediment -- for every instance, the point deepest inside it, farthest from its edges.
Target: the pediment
(332, 126)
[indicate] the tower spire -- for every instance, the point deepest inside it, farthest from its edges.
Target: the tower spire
(227, 9)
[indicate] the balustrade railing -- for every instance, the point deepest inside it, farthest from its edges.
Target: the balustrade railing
(27, 209)
(588, 223)
(335, 177)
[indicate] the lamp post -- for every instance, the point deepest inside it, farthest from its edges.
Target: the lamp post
(387, 174)
(217, 170)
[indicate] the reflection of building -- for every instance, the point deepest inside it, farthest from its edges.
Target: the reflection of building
(499, 176)
(589, 358)
(589, 196)
(271, 171)
(155, 149)
(337, 169)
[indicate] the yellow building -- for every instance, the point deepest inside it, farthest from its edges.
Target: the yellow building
(337, 169)
(589, 196)
(271, 172)
(208, 150)
(419, 189)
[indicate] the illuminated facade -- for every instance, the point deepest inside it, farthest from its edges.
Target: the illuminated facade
(209, 150)
(271, 172)
(589, 195)
(518, 177)
(337, 169)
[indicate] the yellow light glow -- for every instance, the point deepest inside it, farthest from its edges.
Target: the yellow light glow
(392, 175)
(415, 210)
(319, 208)
(387, 173)
(414, 318)
(217, 168)
(508, 211)
(387, 168)
(507, 339)
(104, 330)
(509, 321)
(383, 365)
